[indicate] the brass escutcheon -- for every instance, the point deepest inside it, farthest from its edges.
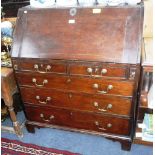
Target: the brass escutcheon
(68, 80)
(70, 95)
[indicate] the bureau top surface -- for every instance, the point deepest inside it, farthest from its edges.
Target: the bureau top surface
(106, 34)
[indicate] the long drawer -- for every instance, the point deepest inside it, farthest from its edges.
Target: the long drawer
(77, 84)
(79, 120)
(94, 103)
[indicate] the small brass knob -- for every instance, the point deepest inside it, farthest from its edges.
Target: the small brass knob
(96, 70)
(34, 80)
(109, 125)
(38, 97)
(110, 87)
(48, 67)
(52, 117)
(96, 123)
(109, 106)
(89, 70)
(95, 86)
(41, 115)
(36, 66)
(96, 104)
(103, 71)
(45, 81)
(48, 98)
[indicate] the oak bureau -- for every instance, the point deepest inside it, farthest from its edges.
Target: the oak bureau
(78, 68)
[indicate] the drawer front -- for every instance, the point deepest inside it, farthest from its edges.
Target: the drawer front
(94, 103)
(79, 120)
(98, 70)
(41, 66)
(79, 84)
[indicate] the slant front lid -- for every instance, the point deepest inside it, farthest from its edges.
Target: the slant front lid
(111, 34)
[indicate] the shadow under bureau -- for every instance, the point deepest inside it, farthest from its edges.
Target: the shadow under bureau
(78, 68)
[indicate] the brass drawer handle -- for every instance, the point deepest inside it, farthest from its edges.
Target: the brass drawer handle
(109, 106)
(109, 125)
(36, 67)
(43, 102)
(109, 87)
(103, 71)
(48, 68)
(39, 85)
(46, 120)
(90, 71)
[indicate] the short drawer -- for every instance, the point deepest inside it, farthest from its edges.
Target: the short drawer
(41, 66)
(99, 70)
(84, 102)
(77, 84)
(79, 120)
